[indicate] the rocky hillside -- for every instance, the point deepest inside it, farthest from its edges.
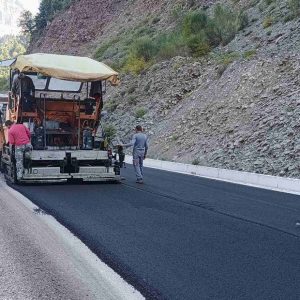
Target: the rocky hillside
(236, 107)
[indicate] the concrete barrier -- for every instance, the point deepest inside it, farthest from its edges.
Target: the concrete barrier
(282, 184)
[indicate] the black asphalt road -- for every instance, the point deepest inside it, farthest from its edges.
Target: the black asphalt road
(184, 237)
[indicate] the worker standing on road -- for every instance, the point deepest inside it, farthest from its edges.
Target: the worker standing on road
(19, 137)
(140, 147)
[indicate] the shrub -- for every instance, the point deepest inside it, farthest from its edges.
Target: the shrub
(177, 12)
(101, 50)
(144, 48)
(242, 20)
(144, 31)
(170, 45)
(198, 45)
(134, 64)
(111, 105)
(225, 24)
(194, 22)
(268, 21)
(196, 34)
(228, 22)
(249, 54)
(110, 131)
(196, 162)
(140, 112)
(227, 58)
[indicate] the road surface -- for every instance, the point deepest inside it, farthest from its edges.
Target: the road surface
(41, 260)
(185, 237)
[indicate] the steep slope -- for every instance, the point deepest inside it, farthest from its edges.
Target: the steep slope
(87, 23)
(235, 108)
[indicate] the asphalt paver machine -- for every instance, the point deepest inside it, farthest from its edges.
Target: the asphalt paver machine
(64, 118)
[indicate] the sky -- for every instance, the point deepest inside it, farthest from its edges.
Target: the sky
(31, 5)
(10, 11)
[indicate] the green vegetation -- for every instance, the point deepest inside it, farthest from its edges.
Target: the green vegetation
(249, 54)
(268, 2)
(111, 105)
(196, 162)
(26, 23)
(10, 47)
(48, 9)
(196, 34)
(226, 58)
(101, 51)
(177, 12)
(134, 64)
(268, 21)
(140, 112)
(110, 132)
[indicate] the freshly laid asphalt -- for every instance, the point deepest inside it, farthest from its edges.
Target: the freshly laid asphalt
(184, 237)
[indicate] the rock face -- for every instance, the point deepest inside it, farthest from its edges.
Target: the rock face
(241, 115)
(88, 23)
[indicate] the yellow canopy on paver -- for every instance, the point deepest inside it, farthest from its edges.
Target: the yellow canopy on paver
(65, 67)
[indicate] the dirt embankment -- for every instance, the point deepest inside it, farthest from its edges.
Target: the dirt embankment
(242, 114)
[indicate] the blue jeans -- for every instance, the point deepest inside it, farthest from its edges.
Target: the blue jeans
(138, 158)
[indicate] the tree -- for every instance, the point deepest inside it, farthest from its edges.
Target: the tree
(44, 15)
(27, 23)
(10, 47)
(48, 10)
